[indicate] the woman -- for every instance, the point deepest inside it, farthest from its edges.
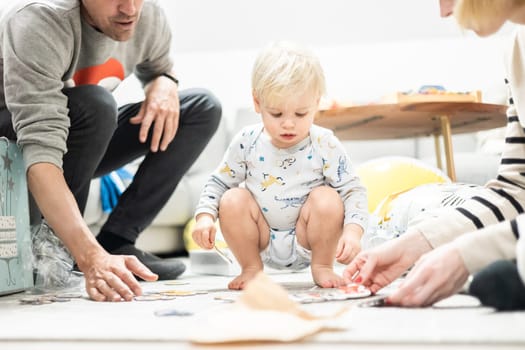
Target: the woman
(481, 237)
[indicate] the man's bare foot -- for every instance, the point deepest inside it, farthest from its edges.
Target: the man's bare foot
(246, 275)
(325, 277)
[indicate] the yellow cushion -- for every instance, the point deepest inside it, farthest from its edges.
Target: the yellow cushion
(387, 176)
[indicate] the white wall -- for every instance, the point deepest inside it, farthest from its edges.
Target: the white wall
(204, 25)
(361, 72)
(367, 48)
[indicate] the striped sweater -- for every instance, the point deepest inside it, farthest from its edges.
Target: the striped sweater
(487, 227)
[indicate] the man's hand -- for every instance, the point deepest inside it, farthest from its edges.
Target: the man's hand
(110, 277)
(349, 244)
(161, 109)
(436, 275)
(204, 231)
(107, 277)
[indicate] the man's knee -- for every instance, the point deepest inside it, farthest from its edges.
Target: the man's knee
(209, 102)
(94, 103)
(206, 105)
(103, 103)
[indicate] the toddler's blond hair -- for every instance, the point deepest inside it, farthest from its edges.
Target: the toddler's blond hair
(283, 69)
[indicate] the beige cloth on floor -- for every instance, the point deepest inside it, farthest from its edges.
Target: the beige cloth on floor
(263, 312)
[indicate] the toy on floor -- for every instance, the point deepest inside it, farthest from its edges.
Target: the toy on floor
(319, 295)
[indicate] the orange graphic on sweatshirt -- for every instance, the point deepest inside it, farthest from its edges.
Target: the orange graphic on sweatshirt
(109, 73)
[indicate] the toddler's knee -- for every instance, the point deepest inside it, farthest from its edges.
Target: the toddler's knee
(234, 199)
(326, 200)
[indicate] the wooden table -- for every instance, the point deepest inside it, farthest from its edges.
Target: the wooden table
(391, 121)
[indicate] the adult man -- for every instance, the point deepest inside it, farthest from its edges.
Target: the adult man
(58, 60)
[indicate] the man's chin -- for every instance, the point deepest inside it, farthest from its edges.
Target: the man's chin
(122, 36)
(119, 34)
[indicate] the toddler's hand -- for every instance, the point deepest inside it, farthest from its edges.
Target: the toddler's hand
(204, 231)
(349, 245)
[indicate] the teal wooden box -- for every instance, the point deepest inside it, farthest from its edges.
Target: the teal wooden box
(16, 271)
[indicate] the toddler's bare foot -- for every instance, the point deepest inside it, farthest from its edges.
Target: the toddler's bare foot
(325, 277)
(246, 275)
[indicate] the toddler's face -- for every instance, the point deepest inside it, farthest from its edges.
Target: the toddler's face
(288, 122)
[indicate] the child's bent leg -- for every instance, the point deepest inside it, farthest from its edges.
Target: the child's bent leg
(245, 231)
(319, 228)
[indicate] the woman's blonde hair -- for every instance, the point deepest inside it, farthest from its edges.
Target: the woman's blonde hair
(484, 15)
(283, 69)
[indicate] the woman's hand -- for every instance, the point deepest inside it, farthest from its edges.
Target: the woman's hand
(436, 275)
(380, 266)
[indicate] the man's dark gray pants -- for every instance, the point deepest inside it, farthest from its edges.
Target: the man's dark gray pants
(101, 139)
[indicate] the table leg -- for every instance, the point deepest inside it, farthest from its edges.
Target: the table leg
(447, 142)
(437, 148)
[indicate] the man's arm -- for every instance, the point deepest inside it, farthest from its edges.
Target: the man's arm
(107, 277)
